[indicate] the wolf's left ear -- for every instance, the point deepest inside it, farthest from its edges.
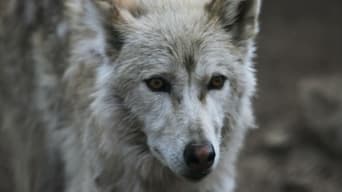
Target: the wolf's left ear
(238, 17)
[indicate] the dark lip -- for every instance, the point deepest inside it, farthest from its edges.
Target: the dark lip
(196, 177)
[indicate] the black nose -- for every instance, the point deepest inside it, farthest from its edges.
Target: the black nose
(199, 157)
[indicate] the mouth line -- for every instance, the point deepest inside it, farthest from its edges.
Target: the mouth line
(196, 177)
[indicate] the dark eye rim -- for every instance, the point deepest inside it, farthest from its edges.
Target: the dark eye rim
(223, 78)
(166, 87)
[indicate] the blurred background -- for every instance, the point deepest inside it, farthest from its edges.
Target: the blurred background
(298, 145)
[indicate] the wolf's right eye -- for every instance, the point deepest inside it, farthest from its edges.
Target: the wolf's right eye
(158, 84)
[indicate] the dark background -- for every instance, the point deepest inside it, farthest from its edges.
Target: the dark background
(293, 150)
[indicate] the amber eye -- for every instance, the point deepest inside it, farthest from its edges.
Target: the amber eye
(217, 82)
(158, 84)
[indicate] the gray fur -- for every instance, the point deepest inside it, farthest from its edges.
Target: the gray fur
(96, 114)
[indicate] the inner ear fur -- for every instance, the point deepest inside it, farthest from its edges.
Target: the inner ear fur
(115, 15)
(238, 17)
(120, 10)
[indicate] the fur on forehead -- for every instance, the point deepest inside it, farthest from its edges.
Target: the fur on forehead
(238, 16)
(161, 4)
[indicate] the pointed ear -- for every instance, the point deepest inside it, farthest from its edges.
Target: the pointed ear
(238, 17)
(116, 14)
(120, 10)
(96, 26)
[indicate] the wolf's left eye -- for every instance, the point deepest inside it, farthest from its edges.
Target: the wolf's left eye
(217, 82)
(158, 84)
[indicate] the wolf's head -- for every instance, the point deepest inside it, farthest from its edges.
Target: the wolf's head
(178, 71)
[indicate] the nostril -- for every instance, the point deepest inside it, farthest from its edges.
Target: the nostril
(191, 158)
(199, 157)
(212, 155)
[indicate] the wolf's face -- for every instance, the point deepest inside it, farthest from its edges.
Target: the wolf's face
(183, 74)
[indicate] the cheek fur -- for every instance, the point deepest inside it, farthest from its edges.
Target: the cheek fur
(155, 108)
(218, 104)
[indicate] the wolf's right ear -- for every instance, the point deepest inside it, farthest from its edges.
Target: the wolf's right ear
(101, 22)
(119, 10)
(115, 15)
(238, 17)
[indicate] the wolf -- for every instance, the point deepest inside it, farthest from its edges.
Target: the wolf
(153, 95)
